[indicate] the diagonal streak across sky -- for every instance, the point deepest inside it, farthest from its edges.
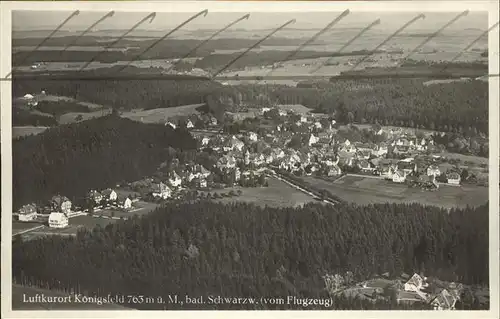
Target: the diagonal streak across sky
(71, 16)
(407, 24)
(313, 38)
(107, 15)
(193, 50)
(137, 57)
(253, 46)
(368, 27)
(149, 17)
(433, 35)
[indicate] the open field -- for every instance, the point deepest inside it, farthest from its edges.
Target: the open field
(18, 131)
(161, 115)
(362, 191)
(297, 108)
(466, 158)
(19, 291)
(69, 118)
(18, 226)
(55, 98)
(277, 194)
(139, 208)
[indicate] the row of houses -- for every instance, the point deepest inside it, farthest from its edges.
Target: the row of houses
(58, 209)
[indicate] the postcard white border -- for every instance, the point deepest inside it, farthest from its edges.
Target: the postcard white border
(258, 6)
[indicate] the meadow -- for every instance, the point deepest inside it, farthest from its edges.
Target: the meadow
(161, 115)
(362, 191)
(276, 194)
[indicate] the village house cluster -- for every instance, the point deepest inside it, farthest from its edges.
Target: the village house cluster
(312, 144)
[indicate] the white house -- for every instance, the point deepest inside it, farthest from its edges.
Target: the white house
(399, 176)
(189, 124)
(28, 97)
(58, 220)
(264, 110)
(61, 203)
(175, 180)
(313, 140)
(386, 172)
(27, 213)
(127, 203)
(252, 136)
(226, 162)
(380, 150)
(110, 195)
(162, 191)
(415, 283)
(172, 125)
(205, 140)
(443, 301)
(433, 170)
(453, 178)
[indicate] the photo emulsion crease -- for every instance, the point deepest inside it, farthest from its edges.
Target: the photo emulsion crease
(209, 159)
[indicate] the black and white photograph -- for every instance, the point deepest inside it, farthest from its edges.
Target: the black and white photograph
(302, 156)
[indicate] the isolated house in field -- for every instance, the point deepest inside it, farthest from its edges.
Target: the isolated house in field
(58, 220)
(109, 195)
(28, 97)
(433, 170)
(453, 178)
(189, 124)
(444, 301)
(399, 176)
(162, 191)
(27, 213)
(61, 203)
(415, 283)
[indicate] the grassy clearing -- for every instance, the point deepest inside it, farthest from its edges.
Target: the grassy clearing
(18, 131)
(161, 115)
(139, 208)
(369, 190)
(277, 194)
(69, 118)
(297, 108)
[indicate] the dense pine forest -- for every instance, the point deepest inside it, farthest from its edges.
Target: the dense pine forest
(238, 249)
(72, 159)
(451, 107)
(128, 93)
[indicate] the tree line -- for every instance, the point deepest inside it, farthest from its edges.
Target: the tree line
(244, 250)
(94, 154)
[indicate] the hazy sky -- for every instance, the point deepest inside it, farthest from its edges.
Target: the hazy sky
(37, 20)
